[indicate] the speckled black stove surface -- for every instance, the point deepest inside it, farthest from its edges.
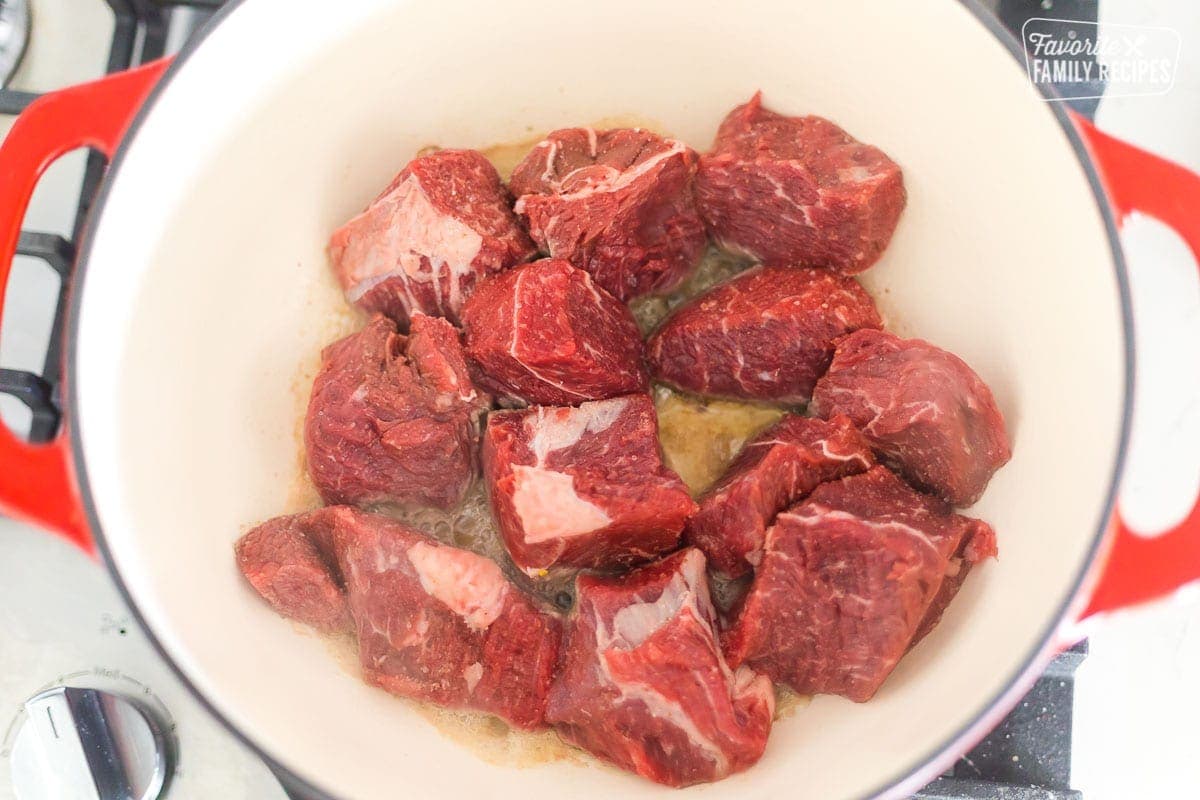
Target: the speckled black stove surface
(1028, 756)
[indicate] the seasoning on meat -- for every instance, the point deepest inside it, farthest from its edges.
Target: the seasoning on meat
(583, 487)
(643, 683)
(798, 190)
(616, 203)
(394, 419)
(923, 409)
(779, 467)
(850, 578)
(444, 223)
(767, 334)
(545, 333)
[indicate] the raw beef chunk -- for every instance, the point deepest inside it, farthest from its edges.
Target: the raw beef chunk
(779, 467)
(442, 624)
(643, 683)
(767, 334)
(847, 581)
(798, 190)
(290, 562)
(545, 333)
(925, 411)
(583, 487)
(394, 418)
(616, 203)
(444, 223)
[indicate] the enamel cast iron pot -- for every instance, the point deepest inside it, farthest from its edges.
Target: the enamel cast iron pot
(202, 297)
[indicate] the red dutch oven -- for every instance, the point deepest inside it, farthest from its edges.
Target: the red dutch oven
(202, 296)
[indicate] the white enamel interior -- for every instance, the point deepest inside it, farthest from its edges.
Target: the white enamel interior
(207, 289)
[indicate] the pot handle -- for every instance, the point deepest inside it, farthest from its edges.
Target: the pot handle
(1140, 568)
(38, 481)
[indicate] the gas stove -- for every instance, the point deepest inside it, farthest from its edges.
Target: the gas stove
(76, 674)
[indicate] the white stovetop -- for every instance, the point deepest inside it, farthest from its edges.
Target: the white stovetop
(1136, 731)
(59, 613)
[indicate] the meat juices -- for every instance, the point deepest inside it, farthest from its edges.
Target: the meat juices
(779, 467)
(798, 190)
(615, 203)
(583, 487)
(849, 580)
(434, 622)
(767, 334)
(545, 333)
(643, 683)
(394, 419)
(290, 562)
(924, 410)
(444, 223)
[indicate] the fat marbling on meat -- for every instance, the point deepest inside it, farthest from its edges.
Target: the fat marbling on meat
(798, 190)
(583, 487)
(394, 418)
(643, 683)
(545, 333)
(766, 334)
(924, 410)
(433, 622)
(616, 203)
(442, 225)
(849, 580)
(774, 470)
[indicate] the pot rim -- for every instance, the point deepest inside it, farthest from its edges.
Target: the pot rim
(919, 773)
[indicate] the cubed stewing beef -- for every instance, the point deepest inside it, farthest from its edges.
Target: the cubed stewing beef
(923, 409)
(394, 419)
(776, 469)
(798, 190)
(444, 223)
(849, 579)
(545, 333)
(583, 487)
(643, 683)
(290, 561)
(617, 203)
(434, 622)
(767, 334)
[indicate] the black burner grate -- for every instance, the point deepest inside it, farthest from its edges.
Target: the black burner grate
(142, 31)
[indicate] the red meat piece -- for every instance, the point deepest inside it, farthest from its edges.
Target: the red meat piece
(290, 562)
(848, 580)
(444, 223)
(767, 334)
(924, 410)
(616, 203)
(798, 190)
(442, 624)
(779, 467)
(643, 683)
(545, 333)
(583, 487)
(394, 419)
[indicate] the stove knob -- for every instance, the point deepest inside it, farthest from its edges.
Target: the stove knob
(86, 744)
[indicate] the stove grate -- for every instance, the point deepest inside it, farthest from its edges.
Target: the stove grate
(142, 31)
